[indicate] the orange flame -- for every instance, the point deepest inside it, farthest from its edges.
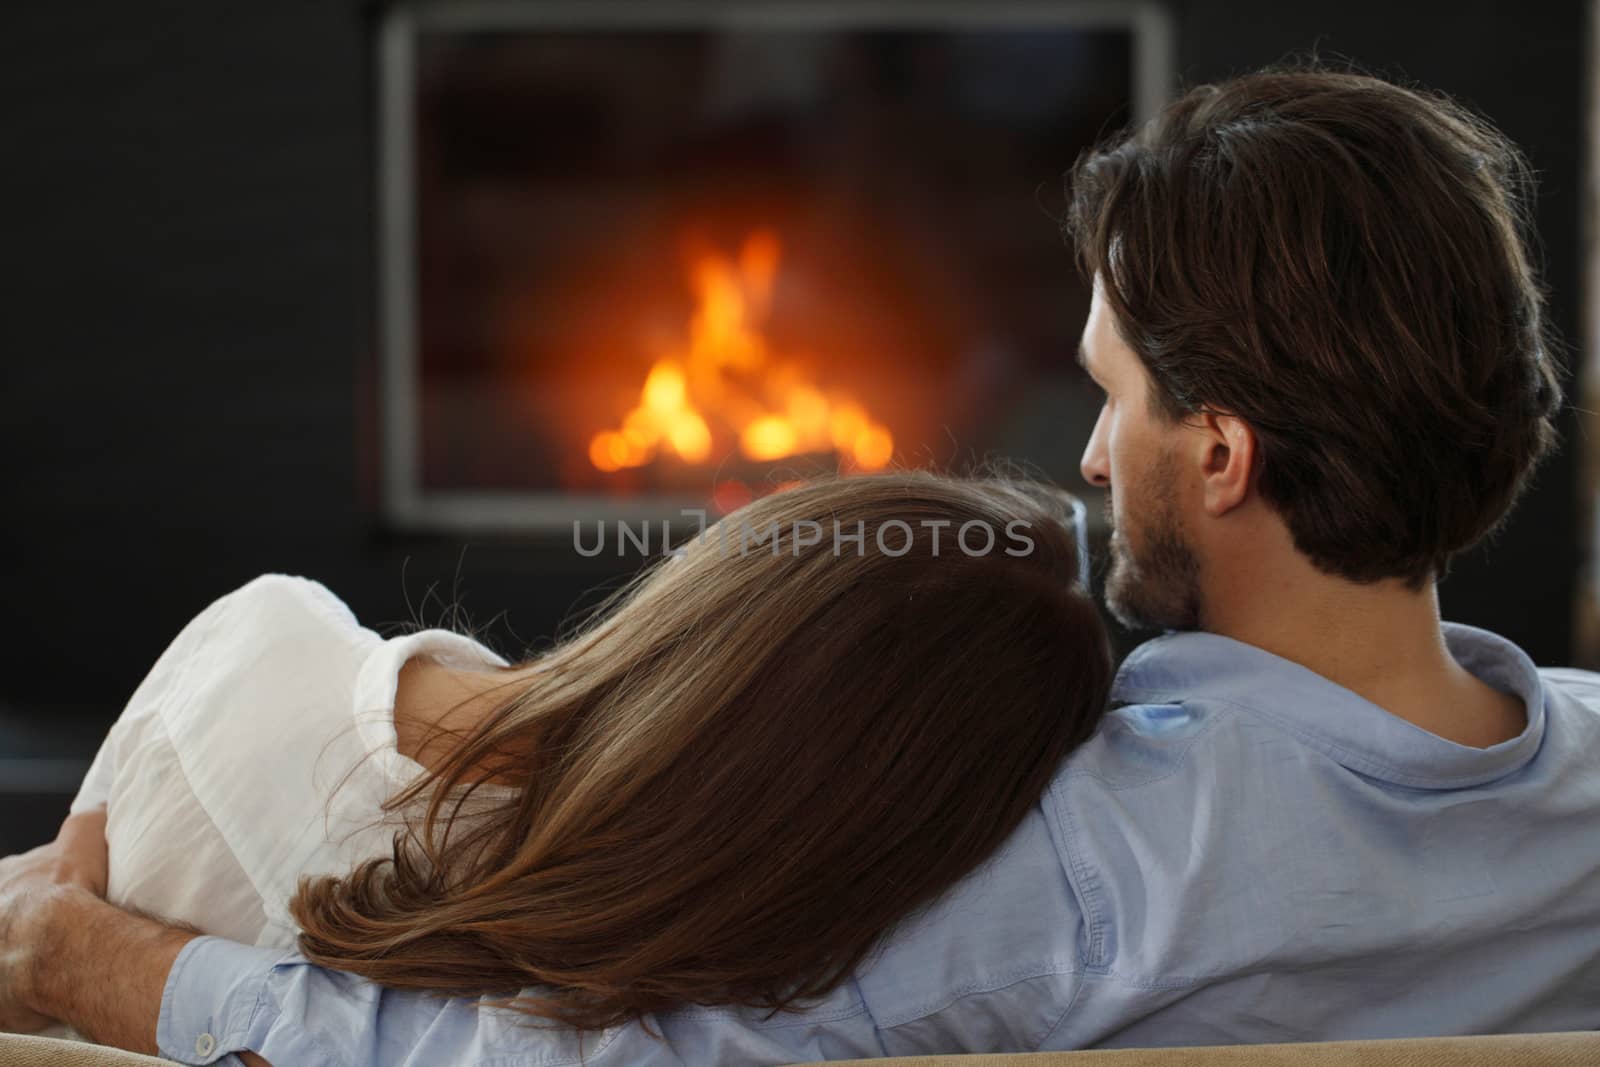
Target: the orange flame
(727, 377)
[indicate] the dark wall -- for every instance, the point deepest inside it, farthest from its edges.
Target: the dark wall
(188, 320)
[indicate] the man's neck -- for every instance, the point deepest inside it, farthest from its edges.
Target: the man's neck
(1382, 641)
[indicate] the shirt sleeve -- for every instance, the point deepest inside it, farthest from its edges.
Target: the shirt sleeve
(145, 702)
(95, 789)
(267, 596)
(222, 998)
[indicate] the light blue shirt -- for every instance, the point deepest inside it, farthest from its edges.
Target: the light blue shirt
(1244, 852)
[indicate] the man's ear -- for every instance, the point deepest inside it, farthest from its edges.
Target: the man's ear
(1227, 462)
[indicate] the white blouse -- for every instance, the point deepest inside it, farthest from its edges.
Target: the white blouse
(259, 749)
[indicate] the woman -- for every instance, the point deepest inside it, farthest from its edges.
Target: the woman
(770, 749)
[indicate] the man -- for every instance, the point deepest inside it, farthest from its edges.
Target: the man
(1319, 812)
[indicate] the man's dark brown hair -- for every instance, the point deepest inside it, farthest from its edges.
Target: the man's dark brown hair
(1343, 263)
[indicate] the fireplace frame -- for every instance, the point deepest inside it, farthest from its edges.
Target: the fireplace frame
(404, 504)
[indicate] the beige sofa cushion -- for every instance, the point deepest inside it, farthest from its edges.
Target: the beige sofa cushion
(24, 1050)
(1515, 1050)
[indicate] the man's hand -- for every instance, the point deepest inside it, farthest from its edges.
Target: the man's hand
(31, 885)
(66, 954)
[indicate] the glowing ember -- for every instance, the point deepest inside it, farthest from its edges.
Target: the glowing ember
(727, 385)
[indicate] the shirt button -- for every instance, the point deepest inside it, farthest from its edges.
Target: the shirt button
(205, 1045)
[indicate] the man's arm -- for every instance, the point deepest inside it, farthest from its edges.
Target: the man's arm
(100, 969)
(128, 980)
(68, 956)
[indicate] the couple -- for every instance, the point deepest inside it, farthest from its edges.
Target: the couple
(807, 806)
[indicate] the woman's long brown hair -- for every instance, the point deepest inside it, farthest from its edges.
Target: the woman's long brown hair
(731, 785)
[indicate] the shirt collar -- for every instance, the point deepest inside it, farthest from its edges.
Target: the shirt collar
(378, 680)
(1200, 668)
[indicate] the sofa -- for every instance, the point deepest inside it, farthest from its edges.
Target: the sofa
(1513, 1050)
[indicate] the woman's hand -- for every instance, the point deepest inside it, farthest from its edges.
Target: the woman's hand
(31, 888)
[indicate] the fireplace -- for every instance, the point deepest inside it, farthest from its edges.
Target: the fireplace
(645, 258)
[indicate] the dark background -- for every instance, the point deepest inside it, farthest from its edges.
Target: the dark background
(189, 384)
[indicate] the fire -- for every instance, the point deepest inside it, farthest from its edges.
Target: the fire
(727, 384)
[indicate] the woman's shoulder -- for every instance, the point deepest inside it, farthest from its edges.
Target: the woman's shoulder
(278, 610)
(256, 709)
(264, 610)
(271, 597)
(270, 637)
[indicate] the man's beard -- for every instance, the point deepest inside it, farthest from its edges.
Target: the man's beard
(1157, 586)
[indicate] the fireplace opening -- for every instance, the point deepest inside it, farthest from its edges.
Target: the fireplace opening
(638, 260)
